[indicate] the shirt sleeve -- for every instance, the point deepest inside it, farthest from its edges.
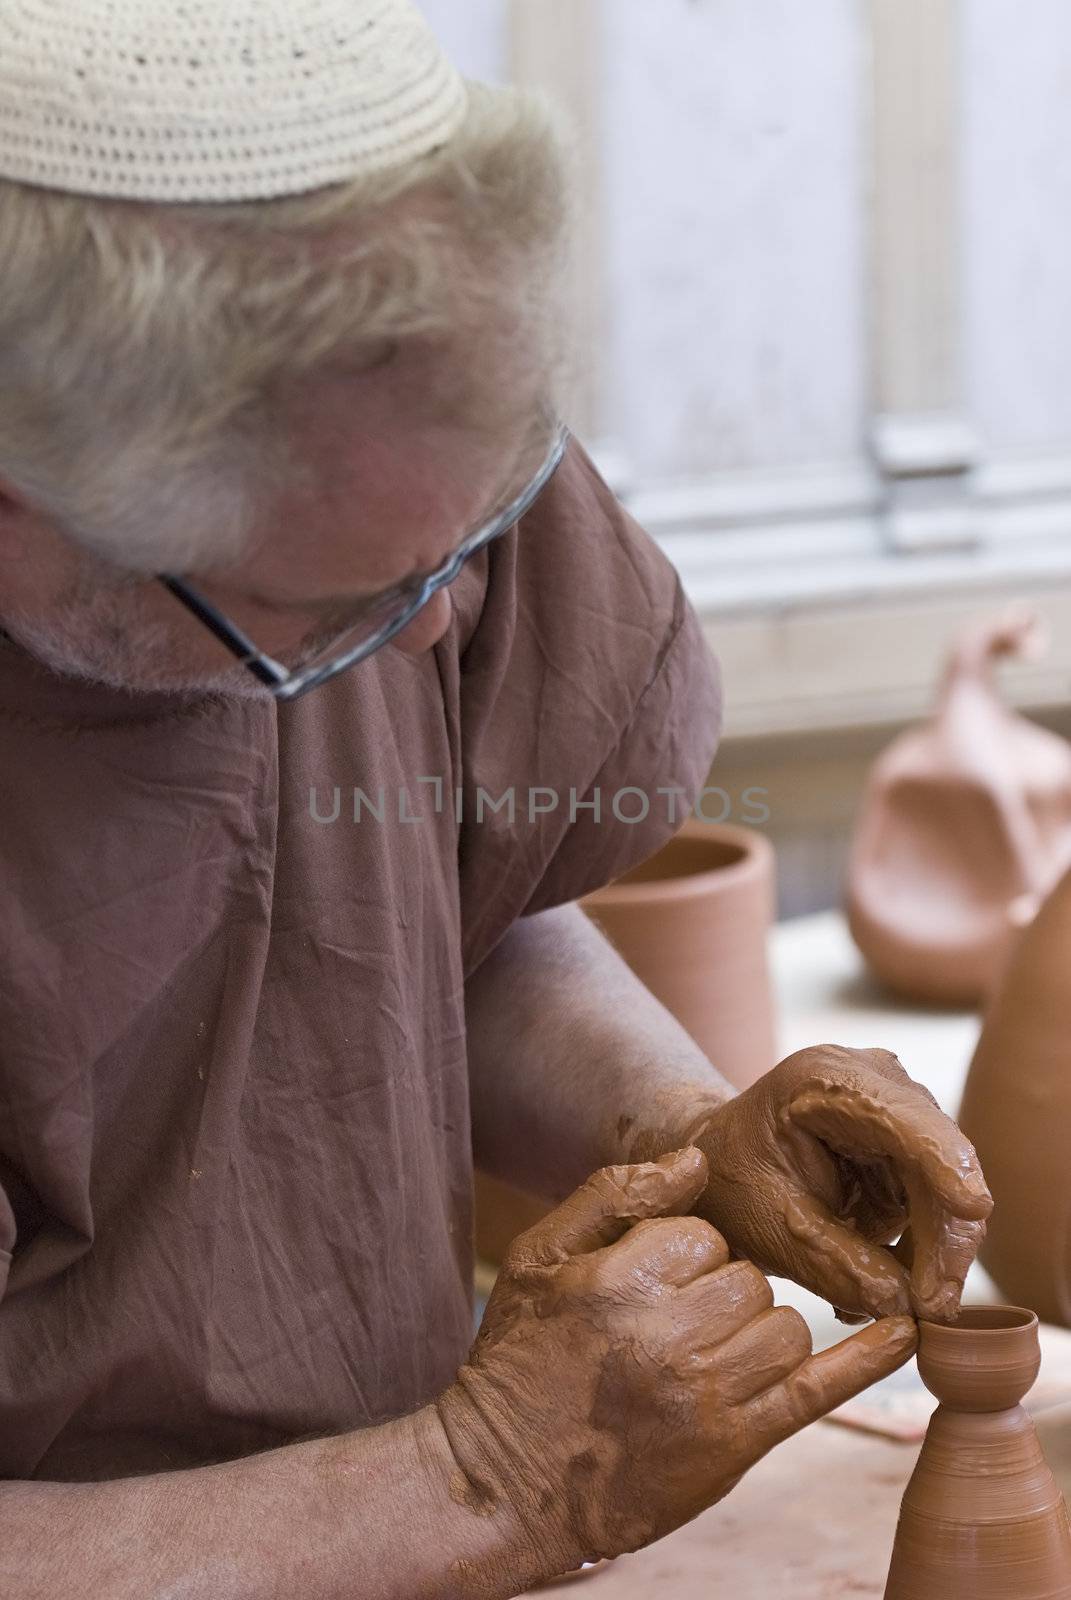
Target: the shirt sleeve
(590, 708)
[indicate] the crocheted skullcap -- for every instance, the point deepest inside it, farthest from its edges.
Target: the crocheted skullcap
(217, 99)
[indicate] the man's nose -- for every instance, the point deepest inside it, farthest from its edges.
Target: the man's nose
(427, 627)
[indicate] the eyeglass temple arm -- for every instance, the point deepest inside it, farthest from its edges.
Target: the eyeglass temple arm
(260, 665)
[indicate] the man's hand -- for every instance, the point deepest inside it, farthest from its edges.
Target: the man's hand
(829, 1158)
(627, 1374)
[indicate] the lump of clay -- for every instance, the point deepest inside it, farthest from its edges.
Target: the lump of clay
(965, 826)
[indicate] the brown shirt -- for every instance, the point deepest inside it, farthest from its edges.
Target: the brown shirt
(235, 1157)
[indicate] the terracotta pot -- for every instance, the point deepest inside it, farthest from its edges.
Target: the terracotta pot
(982, 1517)
(1017, 1113)
(692, 923)
(502, 1212)
(965, 826)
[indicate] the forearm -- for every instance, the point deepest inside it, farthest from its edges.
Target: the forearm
(378, 1514)
(573, 1064)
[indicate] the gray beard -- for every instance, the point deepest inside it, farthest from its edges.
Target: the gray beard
(92, 637)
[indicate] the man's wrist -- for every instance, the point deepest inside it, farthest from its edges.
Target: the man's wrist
(487, 1551)
(674, 1118)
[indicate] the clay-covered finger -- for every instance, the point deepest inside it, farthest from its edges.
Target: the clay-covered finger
(903, 1252)
(608, 1204)
(667, 1252)
(896, 1122)
(904, 1249)
(834, 1261)
(948, 1201)
(942, 1250)
(723, 1303)
(889, 1065)
(763, 1354)
(827, 1380)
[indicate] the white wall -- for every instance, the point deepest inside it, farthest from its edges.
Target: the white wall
(737, 214)
(475, 34)
(735, 190)
(1017, 189)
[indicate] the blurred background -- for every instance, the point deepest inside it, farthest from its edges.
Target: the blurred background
(825, 281)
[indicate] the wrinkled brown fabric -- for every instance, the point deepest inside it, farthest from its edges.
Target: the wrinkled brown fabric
(627, 1375)
(829, 1158)
(964, 828)
(235, 1163)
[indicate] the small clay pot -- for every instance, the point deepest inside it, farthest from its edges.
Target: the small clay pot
(692, 923)
(990, 1373)
(1016, 1111)
(982, 1517)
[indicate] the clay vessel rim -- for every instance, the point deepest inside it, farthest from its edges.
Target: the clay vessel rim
(1018, 1319)
(756, 858)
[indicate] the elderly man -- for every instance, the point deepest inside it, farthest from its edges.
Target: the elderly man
(323, 652)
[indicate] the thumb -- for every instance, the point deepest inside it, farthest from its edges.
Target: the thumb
(838, 1264)
(607, 1205)
(828, 1379)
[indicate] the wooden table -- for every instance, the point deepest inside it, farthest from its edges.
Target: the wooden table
(814, 1520)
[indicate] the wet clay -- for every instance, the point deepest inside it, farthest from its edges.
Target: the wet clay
(821, 1166)
(627, 1373)
(982, 1517)
(692, 923)
(965, 826)
(1017, 1111)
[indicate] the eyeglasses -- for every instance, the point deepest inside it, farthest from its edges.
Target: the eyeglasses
(386, 616)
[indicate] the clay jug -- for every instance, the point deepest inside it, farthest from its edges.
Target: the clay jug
(965, 826)
(692, 923)
(1016, 1112)
(982, 1517)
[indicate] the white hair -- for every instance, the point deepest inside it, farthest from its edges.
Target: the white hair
(140, 344)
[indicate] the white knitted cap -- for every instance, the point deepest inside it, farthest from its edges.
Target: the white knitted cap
(217, 99)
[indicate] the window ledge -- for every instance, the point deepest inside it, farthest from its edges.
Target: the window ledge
(820, 624)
